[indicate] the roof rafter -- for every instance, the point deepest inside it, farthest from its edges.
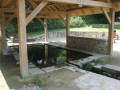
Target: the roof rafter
(85, 2)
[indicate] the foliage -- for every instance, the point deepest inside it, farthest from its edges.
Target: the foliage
(53, 24)
(94, 19)
(89, 66)
(77, 21)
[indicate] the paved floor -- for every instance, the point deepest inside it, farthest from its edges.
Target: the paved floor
(115, 58)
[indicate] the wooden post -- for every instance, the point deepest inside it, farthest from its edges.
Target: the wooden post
(67, 27)
(111, 31)
(3, 34)
(22, 37)
(46, 32)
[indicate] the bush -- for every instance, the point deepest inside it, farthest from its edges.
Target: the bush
(76, 21)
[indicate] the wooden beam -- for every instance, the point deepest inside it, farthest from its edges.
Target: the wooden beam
(62, 19)
(3, 34)
(34, 5)
(111, 31)
(108, 1)
(29, 11)
(41, 21)
(106, 15)
(22, 38)
(38, 16)
(46, 32)
(85, 2)
(10, 19)
(54, 8)
(36, 11)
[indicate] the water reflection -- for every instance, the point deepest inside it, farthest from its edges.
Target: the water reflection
(46, 56)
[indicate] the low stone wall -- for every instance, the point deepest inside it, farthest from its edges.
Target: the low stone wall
(62, 34)
(99, 34)
(97, 45)
(0, 47)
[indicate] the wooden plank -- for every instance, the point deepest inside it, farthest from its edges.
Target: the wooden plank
(111, 31)
(106, 15)
(85, 2)
(22, 38)
(3, 34)
(46, 32)
(36, 11)
(10, 19)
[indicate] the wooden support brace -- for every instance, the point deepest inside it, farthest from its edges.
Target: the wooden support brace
(41, 21)
(34, 5)
(36, 11)
(106, 15)
(10, 19)
(62, 19)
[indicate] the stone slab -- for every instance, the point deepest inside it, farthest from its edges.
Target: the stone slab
(29, 87)
(111, 69)
(97, 68)
(92, 81)
(35, 71)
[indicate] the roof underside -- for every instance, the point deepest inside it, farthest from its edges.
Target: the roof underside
(59, 9)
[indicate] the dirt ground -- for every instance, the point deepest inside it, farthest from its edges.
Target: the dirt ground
(60, 80)
(57, 80)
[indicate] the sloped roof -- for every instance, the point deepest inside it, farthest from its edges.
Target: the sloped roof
(56, 9)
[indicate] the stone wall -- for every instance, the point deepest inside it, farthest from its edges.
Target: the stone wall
(97, 45)
(99, 34)
(62, 34)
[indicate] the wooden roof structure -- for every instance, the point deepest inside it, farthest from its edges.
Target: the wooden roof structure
(59, 8)
(50, 9)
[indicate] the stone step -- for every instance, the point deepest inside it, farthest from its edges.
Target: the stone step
(97, 68)
(111, 69)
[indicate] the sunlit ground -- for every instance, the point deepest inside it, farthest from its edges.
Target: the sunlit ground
(116, 46)
(3, 84)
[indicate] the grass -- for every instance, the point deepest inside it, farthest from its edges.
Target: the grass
(33, 34)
